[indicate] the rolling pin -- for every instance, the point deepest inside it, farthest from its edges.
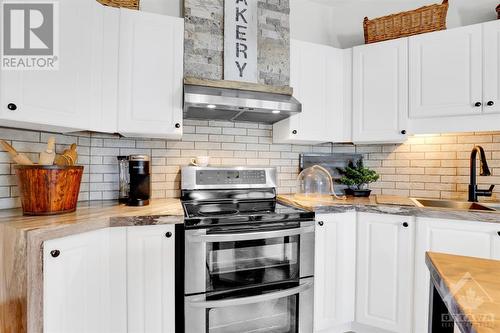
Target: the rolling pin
(16, 157)
(47, 157)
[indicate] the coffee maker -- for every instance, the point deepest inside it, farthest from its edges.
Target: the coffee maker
(140, 187)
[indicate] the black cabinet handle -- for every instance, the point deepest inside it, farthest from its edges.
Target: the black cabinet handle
(177, 125)
(294, 132)
(12, 107)
(498, 233)
(490, 103)
(55, 253)
(405, 224)
(168, 234)
(320, 223)
(403, 132)
(478, 104)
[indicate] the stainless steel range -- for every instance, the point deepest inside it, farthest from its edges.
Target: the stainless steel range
(248, 261)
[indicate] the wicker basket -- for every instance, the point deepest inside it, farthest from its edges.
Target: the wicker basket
(498, 12)
(414, 22)
(130, 4)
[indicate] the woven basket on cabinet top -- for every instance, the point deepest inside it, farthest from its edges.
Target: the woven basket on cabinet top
(498, 11)
(130, 4)
(414, 22)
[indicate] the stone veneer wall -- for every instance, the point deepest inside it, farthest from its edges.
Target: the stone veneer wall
(424, 166)
(204, 40)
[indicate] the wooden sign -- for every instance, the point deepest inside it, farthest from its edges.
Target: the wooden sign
(240, 40)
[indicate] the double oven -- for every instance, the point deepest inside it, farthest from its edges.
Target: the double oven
(248, 260)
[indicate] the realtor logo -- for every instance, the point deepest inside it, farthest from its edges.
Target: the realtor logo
(30, 35)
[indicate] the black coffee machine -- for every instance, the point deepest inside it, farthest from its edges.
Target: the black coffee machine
(140, 182)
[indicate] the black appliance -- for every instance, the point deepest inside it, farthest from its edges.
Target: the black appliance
(140, 181)
(248, 260)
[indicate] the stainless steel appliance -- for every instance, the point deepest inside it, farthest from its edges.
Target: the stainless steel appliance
(248, 261)
(237, 105)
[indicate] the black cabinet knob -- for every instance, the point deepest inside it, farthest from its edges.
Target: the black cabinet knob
(177, 125)
(490, 103)
(405, 224)
(320, 223)
(55, 253)
(478, 104)
(498, 233)
(294, 132)
(403, 132)
(168, 234)
(12, 107)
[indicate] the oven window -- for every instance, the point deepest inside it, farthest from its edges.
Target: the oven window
(245, 263)
(273, 316)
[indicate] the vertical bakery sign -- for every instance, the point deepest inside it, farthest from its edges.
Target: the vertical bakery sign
(240, 40)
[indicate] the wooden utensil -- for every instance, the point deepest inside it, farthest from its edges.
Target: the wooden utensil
(19, 158)
(47, 157)
(68, 157)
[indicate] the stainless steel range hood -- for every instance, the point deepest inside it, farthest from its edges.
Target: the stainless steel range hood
(211, 103)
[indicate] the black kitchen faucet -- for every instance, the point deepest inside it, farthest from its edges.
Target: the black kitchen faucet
(474, 192)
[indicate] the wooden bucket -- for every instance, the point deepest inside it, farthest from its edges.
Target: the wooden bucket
(48, 190)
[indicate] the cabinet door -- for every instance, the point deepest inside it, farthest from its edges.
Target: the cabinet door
(150, 75)
(446, 73)
(84, 288)
(151, 278)
(335, 270)
(60, 99)
(474, 239)
(380, 91)
(385, 271)
(491, 33)
(318, 78)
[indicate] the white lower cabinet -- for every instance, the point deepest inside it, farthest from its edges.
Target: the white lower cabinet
(384, 281)
(83, 283)
(112, 280)
(467, 238)
(335, 269)
(150, 279)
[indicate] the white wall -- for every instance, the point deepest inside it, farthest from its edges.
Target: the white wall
(166, 7)
(339, 23)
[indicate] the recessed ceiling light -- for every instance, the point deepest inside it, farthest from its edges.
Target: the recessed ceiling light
(276, 111)
(211, 106)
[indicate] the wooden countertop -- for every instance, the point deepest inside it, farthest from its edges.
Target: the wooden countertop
(470, 288)
(328, 200)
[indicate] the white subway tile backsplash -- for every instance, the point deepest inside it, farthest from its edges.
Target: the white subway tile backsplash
(430, 166)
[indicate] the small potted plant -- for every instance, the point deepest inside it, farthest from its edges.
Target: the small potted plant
(357, 178)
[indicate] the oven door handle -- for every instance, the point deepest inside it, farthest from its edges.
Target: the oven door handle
(251, 299)
(216, 238)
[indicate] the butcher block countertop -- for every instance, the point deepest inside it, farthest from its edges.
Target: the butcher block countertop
(21, 240)
(470, 289)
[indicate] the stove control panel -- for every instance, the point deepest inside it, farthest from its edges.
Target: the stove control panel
(230, 177)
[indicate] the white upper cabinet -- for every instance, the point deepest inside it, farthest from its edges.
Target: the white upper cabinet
(466, 238)
(385, 272)
(320, 78)
(63, 99)
(380, 92)
(453, 76)
(150, 75)
(334, 272)
(491, 87)
(151, 279)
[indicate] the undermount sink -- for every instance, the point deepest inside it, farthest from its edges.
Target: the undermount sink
(456, 205)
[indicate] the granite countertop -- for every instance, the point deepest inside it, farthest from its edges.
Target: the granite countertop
(387, 205)
(470, 289)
